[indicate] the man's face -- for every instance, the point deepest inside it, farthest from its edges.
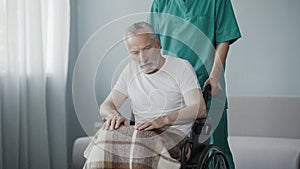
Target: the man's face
(145, 51)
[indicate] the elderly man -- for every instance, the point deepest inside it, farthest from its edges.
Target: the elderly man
(165, 97)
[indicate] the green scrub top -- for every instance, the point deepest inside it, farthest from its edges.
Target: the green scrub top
(192, 29)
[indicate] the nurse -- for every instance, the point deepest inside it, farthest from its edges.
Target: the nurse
(201, 32)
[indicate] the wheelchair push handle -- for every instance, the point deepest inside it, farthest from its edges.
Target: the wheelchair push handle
(206, 92)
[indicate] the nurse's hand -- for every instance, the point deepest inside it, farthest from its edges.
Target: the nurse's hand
(114, 122)
(215, 86)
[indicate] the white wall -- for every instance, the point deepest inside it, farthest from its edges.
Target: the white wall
(94, 14)
(264, 62)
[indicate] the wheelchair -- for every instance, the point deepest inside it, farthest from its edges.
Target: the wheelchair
(203, 155)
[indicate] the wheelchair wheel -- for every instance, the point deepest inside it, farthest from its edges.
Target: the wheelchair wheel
(212, 158)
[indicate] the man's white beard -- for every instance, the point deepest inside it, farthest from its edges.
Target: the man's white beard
(153, 66)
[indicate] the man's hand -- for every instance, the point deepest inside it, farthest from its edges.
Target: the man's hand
(114, 122)
(150, 124)
(215, 86)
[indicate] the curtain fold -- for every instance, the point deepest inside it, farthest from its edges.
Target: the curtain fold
(34, 63)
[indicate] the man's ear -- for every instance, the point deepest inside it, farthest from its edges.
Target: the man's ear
(158, 43)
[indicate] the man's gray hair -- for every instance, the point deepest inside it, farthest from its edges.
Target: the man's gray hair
(134, 29)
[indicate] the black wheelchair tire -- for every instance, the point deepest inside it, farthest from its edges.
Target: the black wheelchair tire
(208, 154)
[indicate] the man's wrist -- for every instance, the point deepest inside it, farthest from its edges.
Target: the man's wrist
(112, 114)
(166, 120)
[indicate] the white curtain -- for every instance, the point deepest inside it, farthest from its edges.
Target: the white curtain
(33, 71)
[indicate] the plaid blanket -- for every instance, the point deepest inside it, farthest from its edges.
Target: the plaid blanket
(127, 148)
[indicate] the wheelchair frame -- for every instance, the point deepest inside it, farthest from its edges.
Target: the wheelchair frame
(203, 155)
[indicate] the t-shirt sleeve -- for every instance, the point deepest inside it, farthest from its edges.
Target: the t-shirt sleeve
(122, 83)
(188, 79)
(226, 25)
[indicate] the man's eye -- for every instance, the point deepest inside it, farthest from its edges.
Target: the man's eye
(134, 53)
(146, 49)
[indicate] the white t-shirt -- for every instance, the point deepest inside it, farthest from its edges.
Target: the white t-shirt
(159, 93)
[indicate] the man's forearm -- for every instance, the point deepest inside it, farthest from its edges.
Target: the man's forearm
(185, 115)
(195, 108)
(111, 104)
(108, 109)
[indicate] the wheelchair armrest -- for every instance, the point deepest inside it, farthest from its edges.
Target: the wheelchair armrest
(199, 123)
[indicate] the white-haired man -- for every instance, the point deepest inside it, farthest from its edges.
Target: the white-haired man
(165, 98)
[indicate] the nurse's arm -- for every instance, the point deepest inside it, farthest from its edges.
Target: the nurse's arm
(218, 68)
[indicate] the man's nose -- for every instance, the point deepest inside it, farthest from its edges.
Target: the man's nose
(143, 57)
